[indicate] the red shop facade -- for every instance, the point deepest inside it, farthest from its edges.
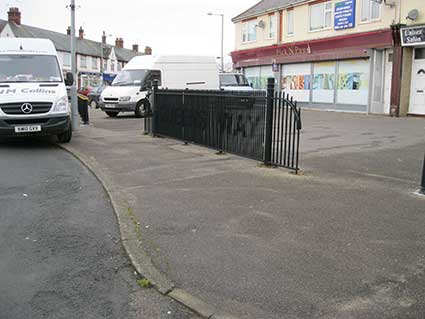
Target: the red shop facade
(347, 73)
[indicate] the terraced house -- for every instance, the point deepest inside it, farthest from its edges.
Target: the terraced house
(93, 67)
(349, 55)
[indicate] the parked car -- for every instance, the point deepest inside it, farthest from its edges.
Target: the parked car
(33, 97)
(128, 92)
(234, 82)
(94, 96)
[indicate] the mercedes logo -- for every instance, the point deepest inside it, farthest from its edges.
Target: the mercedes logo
(26, 108)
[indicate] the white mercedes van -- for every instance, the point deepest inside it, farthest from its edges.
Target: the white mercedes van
(128, 92)
(33, 96)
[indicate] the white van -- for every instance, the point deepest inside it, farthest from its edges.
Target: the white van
(234, 82)
(33, 97)
(128, 92)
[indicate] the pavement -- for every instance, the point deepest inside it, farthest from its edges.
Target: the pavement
(61, 254)
(343, 240)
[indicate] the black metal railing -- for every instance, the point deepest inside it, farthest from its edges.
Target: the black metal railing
(264, 126)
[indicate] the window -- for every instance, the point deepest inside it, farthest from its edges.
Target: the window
(272, 26)
(94, 63)
(105, 65)
(119, 66)
(66, 59)
(83, 61)
(249, 31)
(113, 65)
(371, 10)
(290, 22)
(420, 54)
(320, 16)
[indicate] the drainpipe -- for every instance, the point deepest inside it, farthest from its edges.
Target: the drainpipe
(397, 71)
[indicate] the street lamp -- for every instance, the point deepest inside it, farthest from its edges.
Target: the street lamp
(74, 101)
(222, 36)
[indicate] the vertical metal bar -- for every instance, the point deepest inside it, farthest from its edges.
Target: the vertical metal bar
(279, 128)
(269, 121)
(298, 141)
(282, 129)
(290, 133)
(422, 190)
(286, 130)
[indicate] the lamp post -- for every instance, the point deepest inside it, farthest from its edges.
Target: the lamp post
(421, 191)
(222, 36)
(74, 102)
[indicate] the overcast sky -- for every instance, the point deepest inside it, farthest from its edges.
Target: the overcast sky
(168, 26)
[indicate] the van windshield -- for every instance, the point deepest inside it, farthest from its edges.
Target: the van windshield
(130, 78)
(233, 80)
(29, 68)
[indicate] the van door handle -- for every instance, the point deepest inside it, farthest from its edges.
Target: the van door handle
(419, 91)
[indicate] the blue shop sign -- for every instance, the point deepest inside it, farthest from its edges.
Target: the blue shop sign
(345, 15)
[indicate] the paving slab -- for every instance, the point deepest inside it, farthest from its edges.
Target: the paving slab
(344, 240)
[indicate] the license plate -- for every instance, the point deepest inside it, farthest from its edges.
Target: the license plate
(110, 106)
(27, 129)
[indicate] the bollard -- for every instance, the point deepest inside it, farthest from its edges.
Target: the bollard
(83, 108)
(422, 189)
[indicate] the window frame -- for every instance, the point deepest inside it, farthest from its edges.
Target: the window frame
(370, 12)
(83, 58)
(272, 27)
(325, 11)
(290, 23)
(94, 63)
(245, 31)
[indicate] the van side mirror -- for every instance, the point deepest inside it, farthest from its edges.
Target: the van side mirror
(69, 79)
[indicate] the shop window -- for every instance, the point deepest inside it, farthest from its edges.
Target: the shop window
(83, 61)
(249, 31)
(290, 22)
(324, 82)
(272, 26)
(257, 76)
(353, 82)
(296, 81)
(420, 54)
(371, 10)
(320, 16)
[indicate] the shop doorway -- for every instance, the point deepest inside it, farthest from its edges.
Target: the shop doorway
(388, 80)
(377, 105)
(417, 91)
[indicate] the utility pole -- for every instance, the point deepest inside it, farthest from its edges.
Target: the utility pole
(74, 101)
(222, 37)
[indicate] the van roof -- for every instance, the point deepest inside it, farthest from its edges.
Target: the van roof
(27, 46)
(147, 61)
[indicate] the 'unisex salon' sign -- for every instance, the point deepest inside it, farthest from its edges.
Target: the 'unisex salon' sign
(413, 36)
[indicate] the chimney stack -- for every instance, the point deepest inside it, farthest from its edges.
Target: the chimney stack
(68, 31)
(104, 37)
(135, 48)
(148, 51)
(81, 33)
(14, 15)
(119, 43)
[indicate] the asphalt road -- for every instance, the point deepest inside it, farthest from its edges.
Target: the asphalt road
(60, 249)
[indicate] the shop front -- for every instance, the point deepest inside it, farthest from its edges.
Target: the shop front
(415, 37)
(345, 73)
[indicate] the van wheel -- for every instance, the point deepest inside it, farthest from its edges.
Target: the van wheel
(138, 112)
(111, 114)
(66, 136)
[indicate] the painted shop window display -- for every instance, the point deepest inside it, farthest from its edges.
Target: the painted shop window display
(324, 82)
(257, 76)
(353, 82)
(296, 81)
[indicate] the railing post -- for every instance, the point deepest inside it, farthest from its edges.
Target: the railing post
(269, 122)
(422, 189)
(153, 102)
